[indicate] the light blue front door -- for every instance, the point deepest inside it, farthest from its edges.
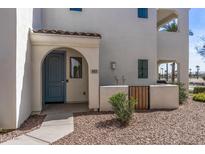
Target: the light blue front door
(54, 78)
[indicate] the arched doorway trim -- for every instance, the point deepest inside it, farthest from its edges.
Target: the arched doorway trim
(69, 89)
(42, 44)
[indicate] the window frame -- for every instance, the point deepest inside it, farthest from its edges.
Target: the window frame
(76, 9)
(141, 74)
(143, 13)
(79, 59)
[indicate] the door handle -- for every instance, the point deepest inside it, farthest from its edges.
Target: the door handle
(64, 81)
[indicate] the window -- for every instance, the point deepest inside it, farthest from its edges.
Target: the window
(76, 9)
(143, 12)
(142, 68)
(75, 67)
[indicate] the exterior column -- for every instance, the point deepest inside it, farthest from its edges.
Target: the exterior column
(167, 76)
(173, 72)
(183, 74)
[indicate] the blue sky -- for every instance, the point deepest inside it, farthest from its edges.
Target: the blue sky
(197, 25)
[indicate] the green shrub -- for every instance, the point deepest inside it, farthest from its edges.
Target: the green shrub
(122, 107)
(199, 97)
(199, 90)
(182, 93)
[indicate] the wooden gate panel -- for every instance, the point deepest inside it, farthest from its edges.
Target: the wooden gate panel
(141, 94)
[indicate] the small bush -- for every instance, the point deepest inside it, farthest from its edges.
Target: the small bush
(199, 97)
(199, 90)
(182, 93)
(122, 107)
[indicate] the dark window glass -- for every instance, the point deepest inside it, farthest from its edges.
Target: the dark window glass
(76, 9)
(142, 68)
(143, 12)
(75, 67)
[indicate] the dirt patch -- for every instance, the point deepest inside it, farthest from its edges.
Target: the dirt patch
(32, 123)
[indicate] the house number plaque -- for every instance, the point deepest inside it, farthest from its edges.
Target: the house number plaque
(94, 71)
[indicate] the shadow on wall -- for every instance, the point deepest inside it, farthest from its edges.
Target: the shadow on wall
(25, 95)
(24, 104)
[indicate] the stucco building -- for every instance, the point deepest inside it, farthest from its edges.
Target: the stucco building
(64, 55)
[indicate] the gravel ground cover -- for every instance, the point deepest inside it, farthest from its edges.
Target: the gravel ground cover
(185, 125)
(32, 123)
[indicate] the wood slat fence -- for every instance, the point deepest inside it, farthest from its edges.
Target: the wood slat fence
(141, 94)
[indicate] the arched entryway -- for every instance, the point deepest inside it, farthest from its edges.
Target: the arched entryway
(85, 47)
(65, 77)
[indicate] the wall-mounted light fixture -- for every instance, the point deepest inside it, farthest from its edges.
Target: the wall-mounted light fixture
(113, 65)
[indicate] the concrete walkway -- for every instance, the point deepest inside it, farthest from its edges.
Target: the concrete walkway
(54, 127)
(65, 108)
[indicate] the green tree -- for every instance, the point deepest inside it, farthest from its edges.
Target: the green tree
(171, 26)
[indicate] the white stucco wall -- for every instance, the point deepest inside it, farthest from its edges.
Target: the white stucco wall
(7, 68)
(161, 96)
(15, 90)
(175, 45)
(164, 97)
(108, 91)
(125, 39)
(75, 88)
(23, 65)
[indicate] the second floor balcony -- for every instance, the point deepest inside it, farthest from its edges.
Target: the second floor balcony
(172, 35)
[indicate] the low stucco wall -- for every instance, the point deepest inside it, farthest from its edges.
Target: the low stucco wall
(106, 92)
(164, 97)
(161, 96)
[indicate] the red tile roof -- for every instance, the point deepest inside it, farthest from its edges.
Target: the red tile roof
(61, 32)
